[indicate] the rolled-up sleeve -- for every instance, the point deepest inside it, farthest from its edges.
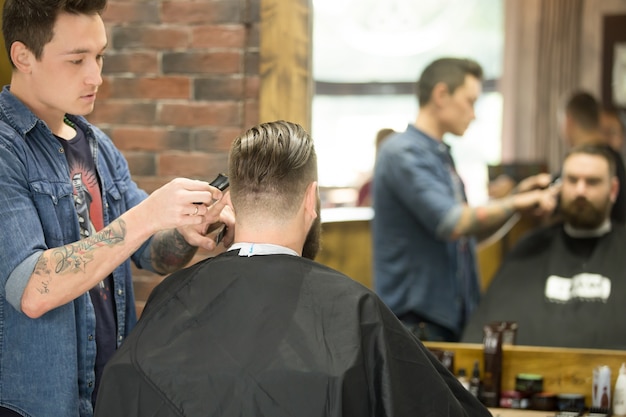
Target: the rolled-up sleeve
(23, 240)
(18, 279)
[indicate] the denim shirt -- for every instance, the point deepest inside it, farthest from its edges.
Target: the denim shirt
(47, 364)
(418, 200)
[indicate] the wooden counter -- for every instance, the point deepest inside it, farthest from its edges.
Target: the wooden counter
(509, 412)
(564, 370)
(346, 242)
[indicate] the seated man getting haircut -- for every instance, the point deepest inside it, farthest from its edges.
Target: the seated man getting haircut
(580, 124)
(261, 330)
(565, 285)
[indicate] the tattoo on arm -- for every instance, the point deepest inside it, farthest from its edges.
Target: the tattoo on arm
(43, 273)
(74, 257)
(481, 219)
(170, 251)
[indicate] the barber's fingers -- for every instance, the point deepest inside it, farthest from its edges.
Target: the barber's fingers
(548, 200)
(227, 216)
(186, 191)
(195, 236)
(534, 182)
(225, 222)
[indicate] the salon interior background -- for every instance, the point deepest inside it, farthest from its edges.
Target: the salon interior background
(183, 78)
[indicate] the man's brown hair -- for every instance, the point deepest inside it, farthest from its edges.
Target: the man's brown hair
(584, 109)
(270, 167)
(450, 71)
(32, 21)
(597, 150)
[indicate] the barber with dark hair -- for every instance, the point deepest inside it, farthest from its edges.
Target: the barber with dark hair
(423, 228)
(71, 217)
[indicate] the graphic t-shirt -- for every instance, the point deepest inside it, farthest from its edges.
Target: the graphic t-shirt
(88, 203)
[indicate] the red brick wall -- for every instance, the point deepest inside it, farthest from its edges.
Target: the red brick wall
(180, 83)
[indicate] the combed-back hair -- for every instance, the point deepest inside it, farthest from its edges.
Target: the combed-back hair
(584, 109)
(32, 21)
(598, 150)
(450, 71)
(270, 167)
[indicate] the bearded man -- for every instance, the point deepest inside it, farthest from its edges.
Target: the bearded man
(565, 285)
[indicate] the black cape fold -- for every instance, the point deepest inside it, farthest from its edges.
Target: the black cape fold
(274, 335)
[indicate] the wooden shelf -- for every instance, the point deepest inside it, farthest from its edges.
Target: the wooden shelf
(564, 370)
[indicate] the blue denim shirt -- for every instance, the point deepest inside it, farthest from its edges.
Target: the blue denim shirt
(418, 200)
(47, 364)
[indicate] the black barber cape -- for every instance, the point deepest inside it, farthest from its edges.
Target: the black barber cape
(562, 291)
(274, 335)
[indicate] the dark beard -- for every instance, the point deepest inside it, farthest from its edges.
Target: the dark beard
(312, 242)
(581, 214)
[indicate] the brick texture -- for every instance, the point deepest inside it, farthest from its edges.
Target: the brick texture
(127, 62)
(120, 12)
(214, 140)
(219, 113)
(218, 36)
(220, 88)
(151, 139)
(153, 37)
(198, 165)
(180, 82)
(123, 112)
(203, 62)
(203, 12)
(149, 87)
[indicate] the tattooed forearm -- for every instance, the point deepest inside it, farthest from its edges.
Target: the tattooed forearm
(170, 251)
(109, 236)
(43, 273)
(484, 219)
(74, 257)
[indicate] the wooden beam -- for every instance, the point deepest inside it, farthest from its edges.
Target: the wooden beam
(286, 89)
(5, 65)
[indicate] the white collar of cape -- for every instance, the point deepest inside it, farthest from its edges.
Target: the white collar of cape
(601, 230)
(251, 249)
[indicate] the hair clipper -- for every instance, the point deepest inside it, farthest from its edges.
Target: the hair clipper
(221, 183)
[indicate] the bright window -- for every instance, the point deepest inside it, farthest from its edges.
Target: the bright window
(360, 43)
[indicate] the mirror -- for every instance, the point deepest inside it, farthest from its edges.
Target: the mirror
(365, 65)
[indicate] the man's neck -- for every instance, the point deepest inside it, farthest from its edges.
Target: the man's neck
(25, 94)
(587, 137)
(428, 124)
(284, 235)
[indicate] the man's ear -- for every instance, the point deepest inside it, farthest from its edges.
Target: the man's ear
(614, 188)
(22, 57)
(310, 200)
(440, 93)
(570, 124)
